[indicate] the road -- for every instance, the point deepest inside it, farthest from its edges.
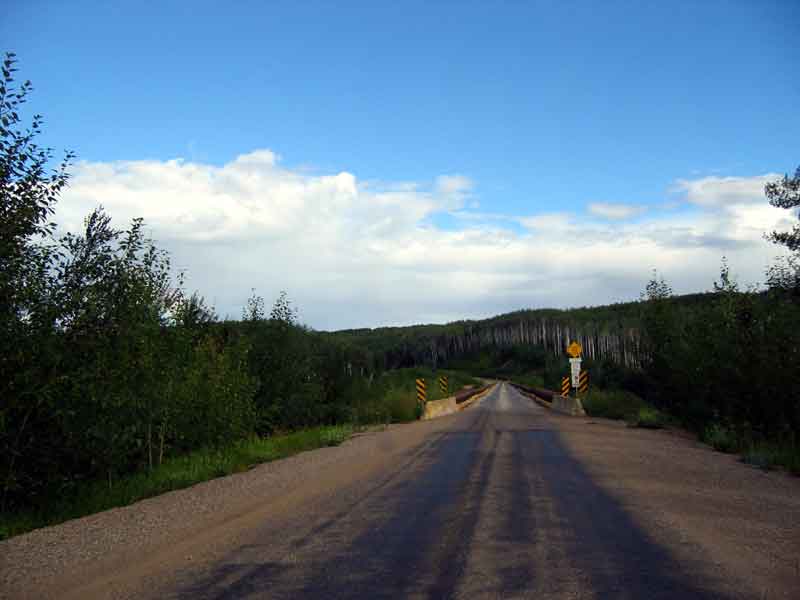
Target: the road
(502, 500)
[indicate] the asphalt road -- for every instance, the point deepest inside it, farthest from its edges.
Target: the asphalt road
(501, 500)
(490, 506)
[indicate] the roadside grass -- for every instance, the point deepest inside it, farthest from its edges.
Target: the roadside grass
(612, 404)
(783, 453)
(648, 418)
(173, 474)
(721, 438)
(768, 455)
(402, 405)
(623, 405)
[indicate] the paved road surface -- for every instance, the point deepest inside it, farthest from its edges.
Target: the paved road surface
(488, 503)
(492, 506)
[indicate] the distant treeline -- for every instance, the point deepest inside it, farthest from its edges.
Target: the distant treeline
(612, 332)
(728, 357)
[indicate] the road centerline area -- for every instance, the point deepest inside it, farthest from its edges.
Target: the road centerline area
(493, 507)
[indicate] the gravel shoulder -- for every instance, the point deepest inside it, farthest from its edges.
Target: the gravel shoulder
(692, 500)
(194, 522)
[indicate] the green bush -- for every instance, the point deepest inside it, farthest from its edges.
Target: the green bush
(648, 418)
(530, 380)
(172, 474)
(402, 405)
(767, 455)
(612, 404)
(721, 438)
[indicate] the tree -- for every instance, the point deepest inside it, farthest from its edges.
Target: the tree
(28, 193)
(283, 311)
(193, 312)
(253, 312)
(105, 365)
(785, 193)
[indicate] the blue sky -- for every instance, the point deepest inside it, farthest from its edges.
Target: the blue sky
(531, 109)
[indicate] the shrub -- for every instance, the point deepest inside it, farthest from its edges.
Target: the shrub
(721, 438)
(785, 453)
(530, 380)
(401, 405)
(648, 418)
(612, 404)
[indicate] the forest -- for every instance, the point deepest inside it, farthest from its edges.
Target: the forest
(110, 367)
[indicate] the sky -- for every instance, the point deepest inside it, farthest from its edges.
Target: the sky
(391, 163)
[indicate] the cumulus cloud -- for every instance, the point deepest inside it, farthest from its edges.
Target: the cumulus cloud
(609, 210)
(353, 253)
(724, 191)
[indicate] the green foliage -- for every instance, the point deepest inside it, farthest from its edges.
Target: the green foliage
(613, 404)
(173, 474)
(648, 417)
(392, 397)
(502, 362)
(106, 366)
(767, 455)
(401, 405)
(785, 193)
(730, 360)
(27, 197)
(530, 380)
(284, 358)
(721, 437)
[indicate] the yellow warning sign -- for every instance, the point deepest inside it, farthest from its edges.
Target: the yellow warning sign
(574, 349)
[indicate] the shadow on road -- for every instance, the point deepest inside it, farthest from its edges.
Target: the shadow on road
(414, 535)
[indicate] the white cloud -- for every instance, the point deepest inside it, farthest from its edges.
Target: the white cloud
(453, 185)
(352, 253)
(609, 210)
(724, 191)
(547, 222)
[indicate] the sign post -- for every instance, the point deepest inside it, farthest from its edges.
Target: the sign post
(575, 371)
(575, 350)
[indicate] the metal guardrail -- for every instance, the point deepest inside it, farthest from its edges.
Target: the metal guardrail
(465, 395)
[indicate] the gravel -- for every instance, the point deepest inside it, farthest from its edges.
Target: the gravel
(32, 564)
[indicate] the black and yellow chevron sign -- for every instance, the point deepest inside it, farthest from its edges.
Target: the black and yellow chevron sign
(565, 386)
(583, 382)
(421, 393)
(443, 384)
